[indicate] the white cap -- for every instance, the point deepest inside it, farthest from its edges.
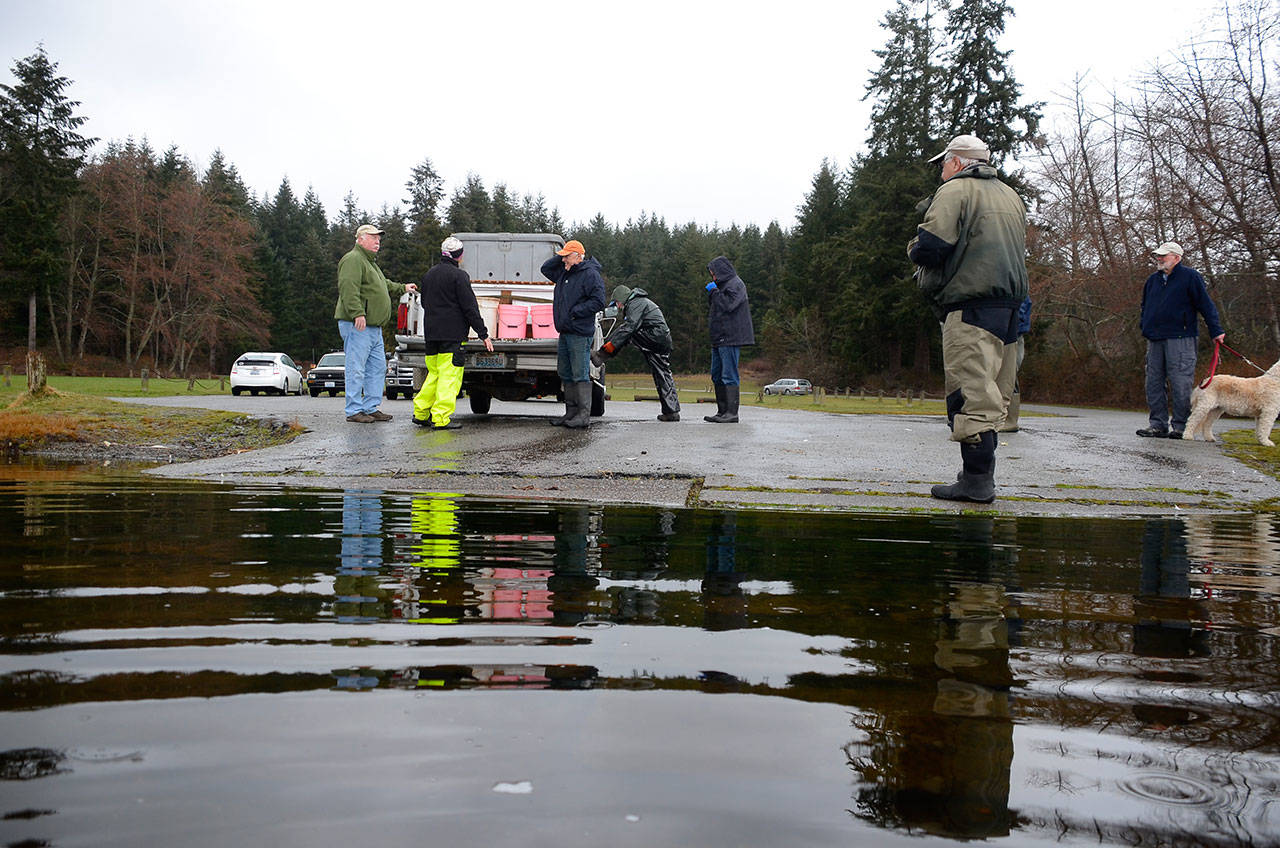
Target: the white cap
(968, 146)
(367, 230)
(450, 245)
(1167, 248)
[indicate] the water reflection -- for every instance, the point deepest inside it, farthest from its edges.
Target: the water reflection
(956, 678)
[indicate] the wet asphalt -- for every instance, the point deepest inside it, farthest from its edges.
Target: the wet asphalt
(1063, 462)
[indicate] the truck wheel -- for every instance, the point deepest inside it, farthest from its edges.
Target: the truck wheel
(597, 400)
(480, 401)
(314, 392)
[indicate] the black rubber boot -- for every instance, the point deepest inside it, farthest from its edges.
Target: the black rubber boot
(720, 405)
(570, 406)
(977, 481)
(730, 414)
(582, 417)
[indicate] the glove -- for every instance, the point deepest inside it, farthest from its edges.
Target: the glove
(596, 359)
(711, 286)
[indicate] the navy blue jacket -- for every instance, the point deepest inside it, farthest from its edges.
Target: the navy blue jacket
(730, 319)
(579, 295)
(1169, 307)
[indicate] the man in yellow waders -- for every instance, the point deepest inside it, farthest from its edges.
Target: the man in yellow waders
(449, 307)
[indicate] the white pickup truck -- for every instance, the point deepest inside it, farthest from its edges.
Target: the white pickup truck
(505, 271)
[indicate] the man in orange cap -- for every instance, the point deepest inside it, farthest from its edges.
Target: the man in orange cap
(578, 297)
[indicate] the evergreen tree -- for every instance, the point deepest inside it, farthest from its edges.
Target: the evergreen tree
(903, 87)
(470, 209)
(981, 95)
(223, 184)
(40, 155)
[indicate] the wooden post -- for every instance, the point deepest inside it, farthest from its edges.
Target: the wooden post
(8, 376)
(36, 374)
(145, 377)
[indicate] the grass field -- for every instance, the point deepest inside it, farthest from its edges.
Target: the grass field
(119, 387)
(90, 418)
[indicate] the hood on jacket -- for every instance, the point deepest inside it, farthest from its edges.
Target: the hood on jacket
(981, 171)
(721, 269)
(621, 294)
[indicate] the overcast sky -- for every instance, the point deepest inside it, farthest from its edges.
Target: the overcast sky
(714, 112)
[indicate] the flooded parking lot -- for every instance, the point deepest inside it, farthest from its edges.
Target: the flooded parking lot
(202, 664)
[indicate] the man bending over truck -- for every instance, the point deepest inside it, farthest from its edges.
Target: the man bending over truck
(449, 307)
(643, 323)
(578, 296)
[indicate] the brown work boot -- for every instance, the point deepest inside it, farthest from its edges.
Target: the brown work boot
(361, 418)
(379, 415)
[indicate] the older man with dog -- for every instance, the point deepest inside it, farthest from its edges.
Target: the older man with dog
(1171, 298)
(970, 251)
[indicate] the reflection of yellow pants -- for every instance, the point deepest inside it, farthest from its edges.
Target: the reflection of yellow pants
(436, 400)
(434, 517)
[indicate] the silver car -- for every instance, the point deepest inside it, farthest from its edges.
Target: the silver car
(274, 373)
(789, 387)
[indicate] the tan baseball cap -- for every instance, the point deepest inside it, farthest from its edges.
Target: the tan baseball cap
(968, 146)
(367, 230)
(1167, 248)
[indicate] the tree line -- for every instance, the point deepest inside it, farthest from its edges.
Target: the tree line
(143, 257)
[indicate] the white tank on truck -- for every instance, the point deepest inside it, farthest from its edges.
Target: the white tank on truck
(515, 301)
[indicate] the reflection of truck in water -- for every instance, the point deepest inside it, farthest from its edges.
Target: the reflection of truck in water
(515, 302)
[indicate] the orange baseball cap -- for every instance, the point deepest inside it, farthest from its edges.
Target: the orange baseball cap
(573, 246)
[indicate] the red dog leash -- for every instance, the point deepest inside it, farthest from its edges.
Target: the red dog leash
(1213, 363)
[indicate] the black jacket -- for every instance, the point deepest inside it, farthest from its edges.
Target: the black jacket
(730, 319)
(449, 305)
(578, 296)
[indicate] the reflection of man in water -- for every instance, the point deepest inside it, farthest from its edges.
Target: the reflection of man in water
(437, 591)
(723, 602)
(359, 596)
(577, 558)
(1164, 611)
(943, 765)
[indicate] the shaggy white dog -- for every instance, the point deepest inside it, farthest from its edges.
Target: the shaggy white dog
(1245, 397)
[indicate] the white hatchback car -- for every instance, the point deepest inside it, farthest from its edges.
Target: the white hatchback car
(265, 372)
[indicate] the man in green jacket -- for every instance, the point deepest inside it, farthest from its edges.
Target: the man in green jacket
(364, 305)
(970, 251)
(643, 323)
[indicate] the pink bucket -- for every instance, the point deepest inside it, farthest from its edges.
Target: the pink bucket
(513, 320)
(544, 325)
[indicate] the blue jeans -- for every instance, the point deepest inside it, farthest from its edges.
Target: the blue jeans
(573, 358)
(724, 365)
(366, 367)
(1173, 360)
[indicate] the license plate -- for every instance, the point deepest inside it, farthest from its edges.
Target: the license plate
(254, 372)
(329, 385)
(489, 360)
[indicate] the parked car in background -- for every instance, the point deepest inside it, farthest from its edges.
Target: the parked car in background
(789, 387)
(399, 378)
(328, 375)
(265, 372)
